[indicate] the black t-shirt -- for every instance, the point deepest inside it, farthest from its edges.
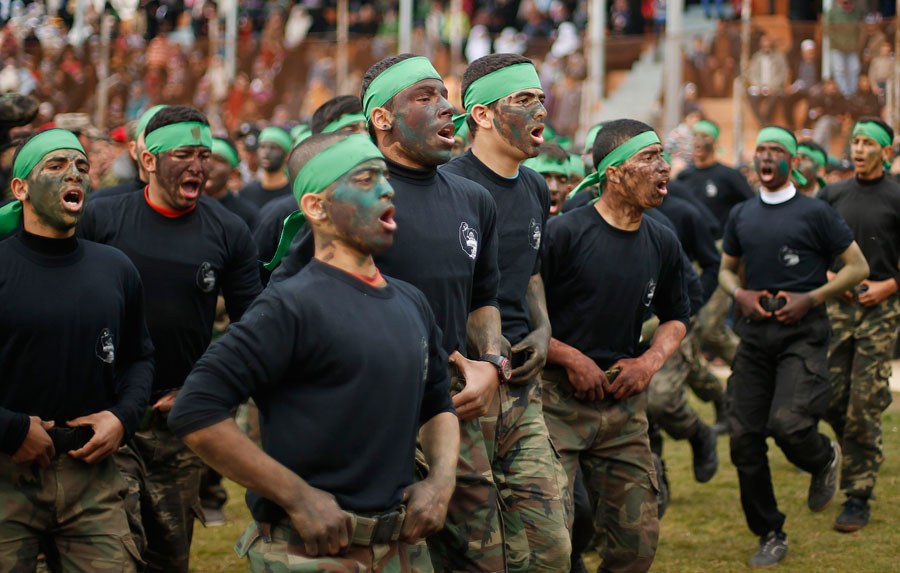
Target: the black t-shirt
(678, 189)
(445, 245)
(696, 240)
(267, 233)
(872, 211)
(255, 193)
(719, 187)
(120, 189)
(242, 208)
(601, 281)
(787, 246)
(523, 204)
(73, 340)
(580, 199)
(185, 263)
(343, 373)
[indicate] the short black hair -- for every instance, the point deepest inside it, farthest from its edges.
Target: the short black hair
(880, 122)
(482, 67)
(22, 143)
(309, 148)
(554, 150)
(373, 72)
(175, 114)
(332, 110)
(613, 134)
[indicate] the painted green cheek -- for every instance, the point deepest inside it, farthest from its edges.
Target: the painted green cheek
(783, 167)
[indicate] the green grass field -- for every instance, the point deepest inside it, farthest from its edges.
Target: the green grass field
(704, 529)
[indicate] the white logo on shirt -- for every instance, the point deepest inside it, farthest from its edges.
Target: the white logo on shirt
(788, 256)
(106, 348)
(206, 277)
(468, 240)
(649, 291)
(711, 189)
(534, 235)
(425, 365)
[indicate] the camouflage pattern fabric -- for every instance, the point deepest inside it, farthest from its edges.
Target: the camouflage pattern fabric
(859, 364)
(279, 549)
(173, 495)
(609, 439)
(711, 327)
(700, 379)
(75, 505)
(472, 538)
(131, 466)
(667, 403)
(532, 483)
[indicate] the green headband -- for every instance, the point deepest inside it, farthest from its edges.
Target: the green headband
(394, 80)
(276, 135)
(617, 156)
(463, 132)
(498, 84)
(27, 158)
(543, 163)
(817, 155)
(322, 170)
(175, 135)
(343, 121)
(785, 139)
(224, 149)
(576, 165)
(707, 127)
(299, 133)
(591, 137)
(879, 134)
(145, 119)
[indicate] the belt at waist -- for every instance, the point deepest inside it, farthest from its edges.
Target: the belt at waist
(67, 439)
(366, 529)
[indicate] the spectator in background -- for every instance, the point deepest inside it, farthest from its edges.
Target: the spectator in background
(874, 37)
(866, 102)
(767, 75)
(826, 112)
(806, 82)
(842, 28)
(881, 69)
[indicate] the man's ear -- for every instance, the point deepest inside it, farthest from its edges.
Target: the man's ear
(148, 160)
(382, 119)
(313, 207)
(19, 188)
(483, 116)
(613, 174)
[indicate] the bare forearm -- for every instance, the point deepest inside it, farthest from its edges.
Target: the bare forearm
(483, 330)
(440, 443)
(665, 342)
(537, 304)
(561, 353)
(230, 452)
(855, 269)
(728, 280)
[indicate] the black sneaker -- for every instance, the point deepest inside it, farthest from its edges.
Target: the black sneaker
(824, 484)
(772, 549)
(706, 459)
(662, 498)
(855, 515)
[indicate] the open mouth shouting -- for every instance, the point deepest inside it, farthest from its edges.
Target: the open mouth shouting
(190, 188)
(537, 134)
(387, 220)
(445, 134)
(767, 171)
(73, 199)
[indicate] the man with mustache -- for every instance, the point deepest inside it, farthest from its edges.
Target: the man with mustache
(505, 114)
(274, 147)
(605, 268)
(76, 365)
(188, 249)
(864, 321)
(779, 381)
(348, 366)
(446, 246)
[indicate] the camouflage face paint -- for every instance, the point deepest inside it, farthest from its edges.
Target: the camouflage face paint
(772, 163)
(867, 156)
(58, 186)
(808, 167)
(219, 173)
(559, 187)
(359, 206)
(519, 119)
(271, 156)
(182, 174)
(423, 127)
(645, 175)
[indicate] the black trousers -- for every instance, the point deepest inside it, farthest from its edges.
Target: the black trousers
(778, 387)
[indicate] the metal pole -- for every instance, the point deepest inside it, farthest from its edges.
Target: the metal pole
(78, 25)
(673, 64)
(597, 25)
(231, 7)
(826, 43)
(404, 37)
(103, 71)
(740, 84)
(456, 9)
(343, 35)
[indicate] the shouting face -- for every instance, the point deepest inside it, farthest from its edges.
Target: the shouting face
(867, 157)
(807, 167)
(58, 186)
(182, 174)
(519, 120)
(360, 209)
(271, 156)
(645, 176)
(558, 184)
(423, 127)
(219, 173)
(773, 165)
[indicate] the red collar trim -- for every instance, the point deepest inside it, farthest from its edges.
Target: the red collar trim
(170, 213)
(375, 281)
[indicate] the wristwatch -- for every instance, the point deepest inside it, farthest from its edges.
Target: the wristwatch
(504, 368)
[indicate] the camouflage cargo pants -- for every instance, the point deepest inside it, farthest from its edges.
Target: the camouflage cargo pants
(532, 483)
(472, 538)
(171, 495)
(76, 505)
(859, 364)
(609, 439)
(667, 403)
(711, 326)
(279, 549)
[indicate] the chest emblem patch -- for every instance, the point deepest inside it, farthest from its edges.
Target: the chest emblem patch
(206, 277)
(106, 348)
(788, 256)
(468, 240)
(534, 235)
(711, 189)
(649, 291)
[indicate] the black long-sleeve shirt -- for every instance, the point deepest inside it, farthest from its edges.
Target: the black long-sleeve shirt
(242, 208)
(185, 262)
(73, 340)
(523, 204)
(719, 187)
(343, 373)
(445, 245)
(872, 211)
(696, 240)
(268, 231)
